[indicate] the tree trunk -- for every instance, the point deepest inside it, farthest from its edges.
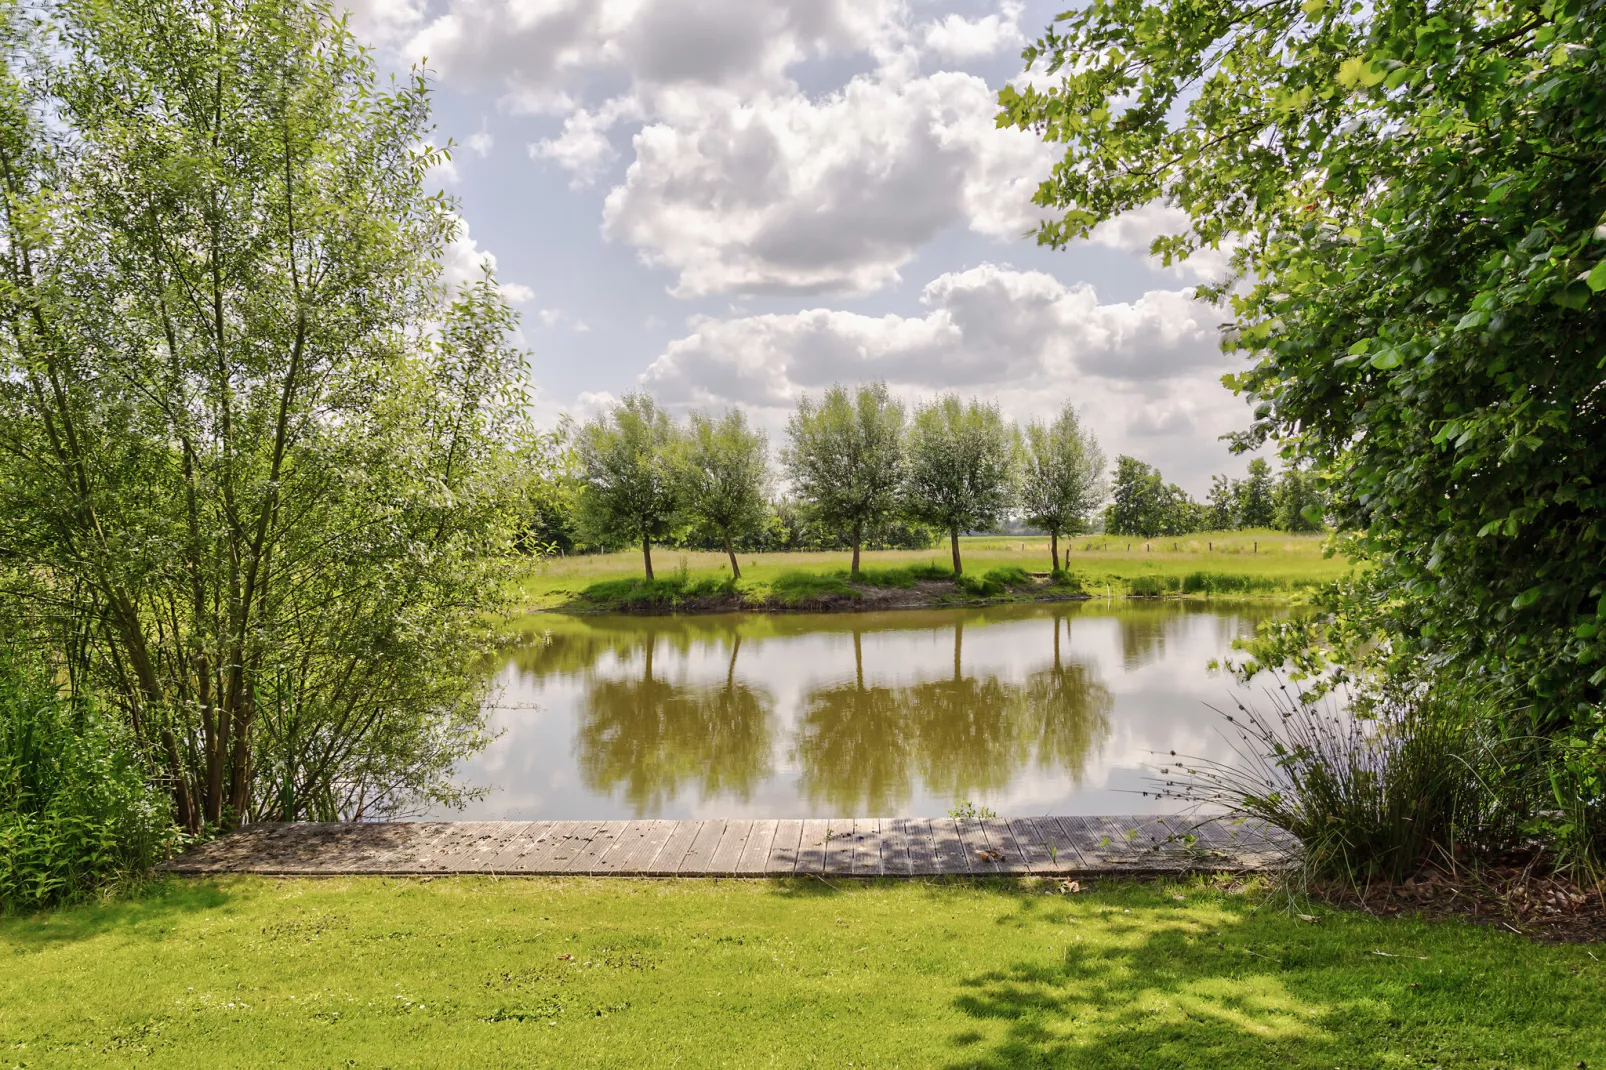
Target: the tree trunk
(736, 570)
(858, 537)
(953, 535)
(646, 554)
(1054, 547)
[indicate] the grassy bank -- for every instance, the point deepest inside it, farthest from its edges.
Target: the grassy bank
(476, 972)
(1254, 563)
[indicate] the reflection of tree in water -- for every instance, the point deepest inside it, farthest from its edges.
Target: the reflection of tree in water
(1072, 711)
(652, 738)
(855, 744)
(859, 747)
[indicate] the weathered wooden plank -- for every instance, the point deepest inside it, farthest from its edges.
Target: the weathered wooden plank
(948, 847)
(839, 849)
(516, 847)
(917, 841)
(564, 848)
(729, 851)
(756, 852)
(597, 845)
(784, 851)
(978, 852)
(895, 847)
(667, 862)
(701, 852)
(451, 854)
(635, 847)
(1008, 854)
(476, 859)
(867, 844)
(865, 847)
(811, 850)
(1048, 849)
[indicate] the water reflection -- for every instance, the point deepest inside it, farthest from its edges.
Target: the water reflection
(1021, 707)
(649, 739)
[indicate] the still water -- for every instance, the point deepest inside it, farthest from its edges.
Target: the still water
(1028, 709)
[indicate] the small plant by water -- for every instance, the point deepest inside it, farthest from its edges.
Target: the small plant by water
(965, 810)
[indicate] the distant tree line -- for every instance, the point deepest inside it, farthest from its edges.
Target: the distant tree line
(1143, 504)
(861, 471)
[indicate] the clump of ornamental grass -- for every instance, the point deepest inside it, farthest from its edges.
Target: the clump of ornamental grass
(1401, 778)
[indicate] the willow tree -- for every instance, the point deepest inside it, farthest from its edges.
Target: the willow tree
(629, 484)
(960, 472)
(252, 452)
(845, 458)
(724, 476)
(1062, 477)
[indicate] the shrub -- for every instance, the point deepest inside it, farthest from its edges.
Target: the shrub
(978, 586)
(78, 812)
(1403, 778)
(1068, 581)
(1008, 576)
(671, 591)
(1233, 583)
(1153, 586)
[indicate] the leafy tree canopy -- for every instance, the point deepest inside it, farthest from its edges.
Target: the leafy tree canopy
(630, 487)
(961, 473)
(845, 458)
(1415, 198)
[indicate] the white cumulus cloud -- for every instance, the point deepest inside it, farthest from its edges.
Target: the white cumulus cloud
(782, 193)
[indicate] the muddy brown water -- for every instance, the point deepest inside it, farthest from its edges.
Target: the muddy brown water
(1029, 709)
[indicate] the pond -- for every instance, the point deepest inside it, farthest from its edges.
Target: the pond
(1028, 709)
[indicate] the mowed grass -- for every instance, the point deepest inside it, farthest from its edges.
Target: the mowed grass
(1236, 563)
(373, 972)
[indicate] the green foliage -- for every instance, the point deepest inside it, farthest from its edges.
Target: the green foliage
(799, 586)
(258, 470)
(1009, 576)
(668, 592)
(1414, 201)
(724, 474)
(630, 486)
(845, 458)
(1400, 781)
(1138, 500)
(1230, 583)
(965, 810)
(1153, 586)
(1300, 502)
(1255, 497)
(1062, 475)
(1070, 582)
(906, 576)
(78, 813)
(960, 470)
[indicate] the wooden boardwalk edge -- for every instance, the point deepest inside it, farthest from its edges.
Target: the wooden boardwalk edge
(842, 847)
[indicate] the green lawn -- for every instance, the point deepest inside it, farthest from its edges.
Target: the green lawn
(475, 972)
(1102, 564)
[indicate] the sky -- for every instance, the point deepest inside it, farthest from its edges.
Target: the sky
(736, 202)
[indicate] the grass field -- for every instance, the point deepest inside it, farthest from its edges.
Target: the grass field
(1249, 562)
(375, 972)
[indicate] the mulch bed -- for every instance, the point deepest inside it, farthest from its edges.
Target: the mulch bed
(1525, 896)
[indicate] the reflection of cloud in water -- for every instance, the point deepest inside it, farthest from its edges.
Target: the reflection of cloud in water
(1024, 708)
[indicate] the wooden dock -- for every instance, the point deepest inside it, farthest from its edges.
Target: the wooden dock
(856, 847)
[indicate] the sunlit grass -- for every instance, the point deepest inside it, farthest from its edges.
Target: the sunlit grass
(1255, 563)
(625, 973)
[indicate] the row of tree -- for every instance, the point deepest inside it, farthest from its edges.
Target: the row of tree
(859, 463)
(1145, 505)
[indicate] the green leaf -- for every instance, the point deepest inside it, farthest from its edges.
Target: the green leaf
(1575, 295)
(1596, 279)
(1387, 359)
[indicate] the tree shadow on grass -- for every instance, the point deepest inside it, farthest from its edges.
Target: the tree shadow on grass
(1127, 982)
(153, 907)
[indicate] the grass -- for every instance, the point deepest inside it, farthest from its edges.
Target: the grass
(621, 973)
(1261, 563)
